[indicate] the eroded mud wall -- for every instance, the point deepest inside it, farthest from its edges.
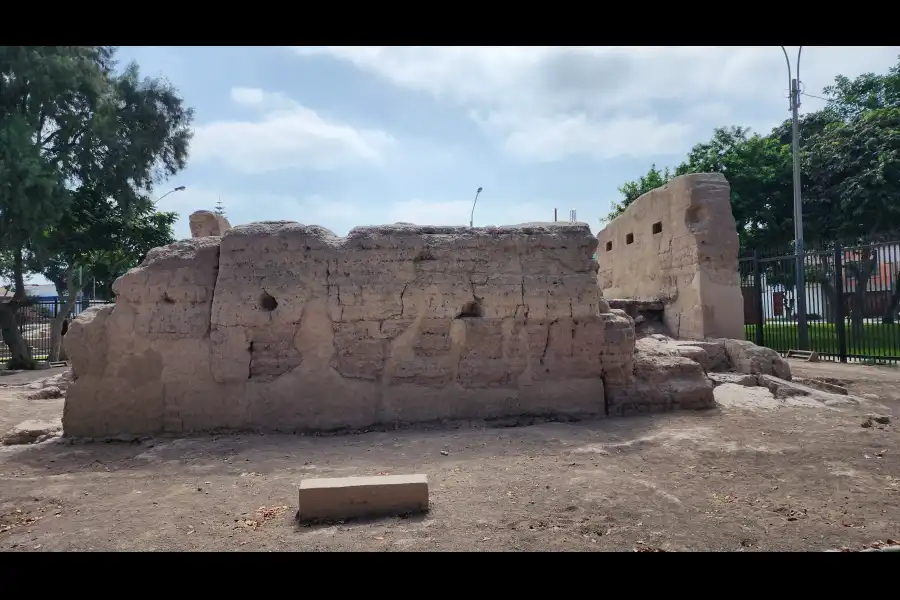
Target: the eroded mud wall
(282, 326)
(678, 244)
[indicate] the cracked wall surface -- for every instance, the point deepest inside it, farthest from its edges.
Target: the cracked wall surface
(287, 327)
(678, 244)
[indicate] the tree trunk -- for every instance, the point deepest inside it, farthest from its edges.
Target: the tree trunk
(863, 270)
(20, 353)
(891, 313)
(824, 276)
(828, 300)
(68, 305)
(857, 318)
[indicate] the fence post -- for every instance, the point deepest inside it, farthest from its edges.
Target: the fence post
(840, 324)
(760, 308)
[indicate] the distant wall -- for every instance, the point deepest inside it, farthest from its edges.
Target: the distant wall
(287, 327)
(678, 244)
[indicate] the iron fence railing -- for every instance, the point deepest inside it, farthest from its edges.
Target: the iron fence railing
(852, 300)
(34, 324)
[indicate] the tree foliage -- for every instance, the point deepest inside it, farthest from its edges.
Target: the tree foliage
(82, 145)
(850, 166)
(632, 190)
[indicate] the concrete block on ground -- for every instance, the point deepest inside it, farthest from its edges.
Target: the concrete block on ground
(352, 497)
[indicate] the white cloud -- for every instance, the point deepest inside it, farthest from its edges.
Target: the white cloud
(458, 212)
(285, 135)
(546, 103)
(544, 138)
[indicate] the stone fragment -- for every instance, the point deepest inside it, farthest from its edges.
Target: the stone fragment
(790, 389)
(46, 393)
(824, 386)
(661, 383)
(698, 355)
(353, 497)
(747, 357)
(716, 357)
(206, 223)
(33, 431)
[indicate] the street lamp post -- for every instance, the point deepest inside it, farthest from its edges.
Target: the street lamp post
(472, 216)
(180, 188)
(802, 332)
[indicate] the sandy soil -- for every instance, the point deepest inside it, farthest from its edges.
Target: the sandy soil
(740, 478)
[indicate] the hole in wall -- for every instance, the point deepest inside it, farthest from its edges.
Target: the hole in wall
(471, 310)
(695, 217)
(608, 246)
(267, 302)
(629, 239)
(657, 227)
(167, 299)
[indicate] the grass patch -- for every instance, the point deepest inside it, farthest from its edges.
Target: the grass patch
(877, 340)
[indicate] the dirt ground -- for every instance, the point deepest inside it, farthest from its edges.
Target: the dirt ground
(731, 479)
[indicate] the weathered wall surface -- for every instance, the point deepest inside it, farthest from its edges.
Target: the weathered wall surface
(678, 244)
(204, 223)
(282, 326)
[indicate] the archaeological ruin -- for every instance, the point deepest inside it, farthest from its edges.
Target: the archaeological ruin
(278, 326)
(678, 246)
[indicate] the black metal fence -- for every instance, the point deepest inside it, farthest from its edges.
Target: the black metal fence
(851, 297)
(34, 325)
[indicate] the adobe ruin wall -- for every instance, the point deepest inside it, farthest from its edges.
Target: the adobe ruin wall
(286, 327)
(278, 326)
(678, 245)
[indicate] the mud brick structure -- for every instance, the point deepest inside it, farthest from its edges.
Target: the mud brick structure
(286, 327)
(278, 326)
(677, 246)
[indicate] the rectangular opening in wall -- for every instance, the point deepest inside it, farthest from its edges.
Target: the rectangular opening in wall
(629, 239)
(608, 246)
(657, 227)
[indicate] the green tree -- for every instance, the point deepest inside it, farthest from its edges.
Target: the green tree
(633, 190)
(135, 239)
(81, 148)
(759, 172)
(850, 98)
(141, 141)
(47, 97)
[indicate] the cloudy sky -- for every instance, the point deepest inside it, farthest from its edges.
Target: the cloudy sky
(345, 136)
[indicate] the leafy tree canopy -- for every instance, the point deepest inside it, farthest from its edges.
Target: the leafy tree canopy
(850, 165)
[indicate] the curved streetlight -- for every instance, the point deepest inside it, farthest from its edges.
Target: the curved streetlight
(472, 216)
(794, 87)
(180, 188)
